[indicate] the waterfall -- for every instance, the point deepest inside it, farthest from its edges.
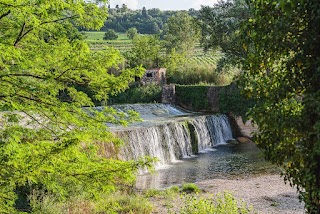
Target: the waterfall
(175, 137)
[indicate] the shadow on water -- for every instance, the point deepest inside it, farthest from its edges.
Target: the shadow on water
(222, 161)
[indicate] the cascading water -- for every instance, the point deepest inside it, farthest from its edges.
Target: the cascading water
(178, 134)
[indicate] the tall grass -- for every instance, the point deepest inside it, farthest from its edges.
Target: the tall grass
(222, 204)
(186, 200)
(198, 73)
(114, 203)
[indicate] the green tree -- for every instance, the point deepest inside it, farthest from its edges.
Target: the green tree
(282, 40)
(144, 12)
(145, 51)
(46, 141)
(132, 32)
(220, 29)
(110, 35)
(124, 8)
(181, 33)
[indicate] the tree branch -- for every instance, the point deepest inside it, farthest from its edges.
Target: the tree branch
(22, 75)
(21, 34)
(37, 100)
(41, 124)
(5, 14)
(62, 73)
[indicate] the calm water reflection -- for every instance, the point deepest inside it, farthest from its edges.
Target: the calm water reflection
(223, 161)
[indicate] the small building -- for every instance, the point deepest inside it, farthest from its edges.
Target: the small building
(154, 76)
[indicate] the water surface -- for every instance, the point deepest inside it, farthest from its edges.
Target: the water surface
(223, 161)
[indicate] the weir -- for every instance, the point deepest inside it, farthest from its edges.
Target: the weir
(170, 133)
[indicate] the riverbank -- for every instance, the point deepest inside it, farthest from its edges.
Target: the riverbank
(267, 194)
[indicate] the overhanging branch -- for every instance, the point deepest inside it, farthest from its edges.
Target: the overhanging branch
(5, 14)
(23, 34)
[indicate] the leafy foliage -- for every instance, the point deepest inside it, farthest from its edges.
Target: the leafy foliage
(140, 94)
(195, 73)
(231, 100)
(132, 32)
(283, 75)
(225, 203)
(190, 188)
(47, 139)
(220, 29)
(181, 33)
(146, 21)
(110, 35)
(145, 51)
(193, 95)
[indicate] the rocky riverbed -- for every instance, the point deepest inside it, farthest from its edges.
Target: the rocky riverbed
(267, 194)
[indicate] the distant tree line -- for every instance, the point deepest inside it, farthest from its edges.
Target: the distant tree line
(146, 21)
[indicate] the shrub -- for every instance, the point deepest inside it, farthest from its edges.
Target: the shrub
(152, 193)
(222, 204)
(232, 100)
(174, 189)
(193, 73)
(132, 32)
(190, 188)
(110, 35)
(140, 94)
(123, 203)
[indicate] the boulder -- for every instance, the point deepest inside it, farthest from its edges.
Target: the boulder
(244, 140)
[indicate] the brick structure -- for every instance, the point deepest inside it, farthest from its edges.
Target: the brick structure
(154, 76)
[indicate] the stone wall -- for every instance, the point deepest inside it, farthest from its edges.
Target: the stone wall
(168, 94)
(213, 97)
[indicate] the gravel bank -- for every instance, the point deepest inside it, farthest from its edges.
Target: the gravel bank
(266, 193)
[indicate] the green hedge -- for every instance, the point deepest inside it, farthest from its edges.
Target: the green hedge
(138, 94)
(193, 97)
(230, 99)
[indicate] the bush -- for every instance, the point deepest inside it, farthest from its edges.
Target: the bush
(190, 188)
(152, 193)
(232, 100)
(132, 32)
(192, 73)
(140, 94)
(123, 203)
(110, 35)
(193, 97)
(225, 204)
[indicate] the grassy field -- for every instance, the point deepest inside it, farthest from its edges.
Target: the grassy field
(98, 36)
(95, 39)
(123, 43)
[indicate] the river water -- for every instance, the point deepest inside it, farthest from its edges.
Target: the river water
(222, 161)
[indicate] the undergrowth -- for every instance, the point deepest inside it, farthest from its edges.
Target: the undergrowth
(186, 199)
(223, 204)
(138, 94)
